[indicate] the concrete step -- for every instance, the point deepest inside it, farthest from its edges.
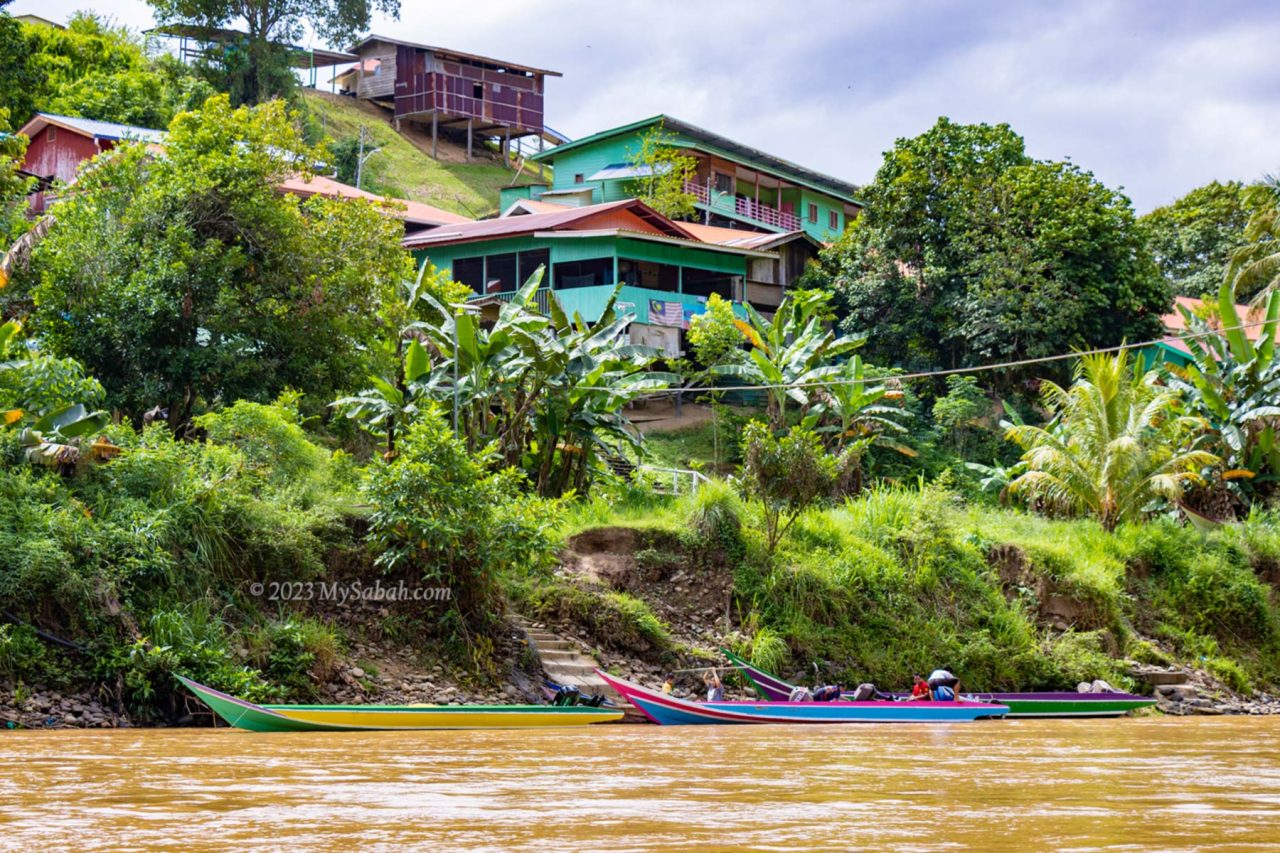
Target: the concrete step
(555, 670)
(566, 655)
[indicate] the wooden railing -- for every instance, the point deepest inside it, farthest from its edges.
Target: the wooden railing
(745, 207)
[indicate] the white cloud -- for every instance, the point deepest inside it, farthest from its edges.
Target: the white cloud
(1157, 97)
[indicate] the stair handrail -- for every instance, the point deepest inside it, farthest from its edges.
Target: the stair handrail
(696, 478)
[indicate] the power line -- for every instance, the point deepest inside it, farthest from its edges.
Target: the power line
(981, 368)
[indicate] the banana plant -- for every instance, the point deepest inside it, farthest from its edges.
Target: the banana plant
(547, 391)
(791, 355)
(1233, 382)
(54, 437)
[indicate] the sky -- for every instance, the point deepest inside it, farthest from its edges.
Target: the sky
(1155, 97)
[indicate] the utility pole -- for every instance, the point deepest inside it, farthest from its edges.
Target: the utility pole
(361, 157)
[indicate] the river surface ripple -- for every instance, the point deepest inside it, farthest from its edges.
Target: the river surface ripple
(1126, 784)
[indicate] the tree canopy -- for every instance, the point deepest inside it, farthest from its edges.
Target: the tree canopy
(257, 68)
(1193, 238)
(189, 279)
(91, 69)
(969, 251)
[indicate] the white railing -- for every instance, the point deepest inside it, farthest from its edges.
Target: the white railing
(675, 477)
(745, 207)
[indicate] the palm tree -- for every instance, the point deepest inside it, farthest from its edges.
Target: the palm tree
(1116, 443)
(1254, 269)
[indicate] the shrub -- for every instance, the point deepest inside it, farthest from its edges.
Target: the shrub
(441, 514)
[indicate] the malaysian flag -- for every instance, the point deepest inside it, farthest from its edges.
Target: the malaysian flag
(668, 313)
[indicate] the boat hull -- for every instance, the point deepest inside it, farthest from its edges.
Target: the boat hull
(304, 718)
(668, 710)
(1021, 705)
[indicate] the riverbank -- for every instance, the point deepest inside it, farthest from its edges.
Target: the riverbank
(894, 582)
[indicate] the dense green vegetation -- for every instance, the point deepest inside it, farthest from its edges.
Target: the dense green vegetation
(970, 251)
(897, 580)
(208, 387)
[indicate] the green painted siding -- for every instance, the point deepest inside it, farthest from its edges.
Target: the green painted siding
(509, 195)
(590, 301)
(590, 159)
(822, 229)
(663, 253)
(590, 248)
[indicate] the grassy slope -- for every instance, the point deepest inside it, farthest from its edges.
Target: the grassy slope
(467, 188)
(901, 580)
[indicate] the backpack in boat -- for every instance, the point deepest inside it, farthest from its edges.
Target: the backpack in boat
(800, 694)
(865, 693)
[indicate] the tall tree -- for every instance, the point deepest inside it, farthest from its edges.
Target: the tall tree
(969, 251)
(189, 279)
(270, 26)
(1193, 237)
(19, 78)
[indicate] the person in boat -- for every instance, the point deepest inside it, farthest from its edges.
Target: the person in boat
(944, 685)
(920, 691)
(715, 689)
(827, 693)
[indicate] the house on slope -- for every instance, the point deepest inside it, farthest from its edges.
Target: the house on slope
(665, 271)
(450, 90)
(59, 144)
(735, 185)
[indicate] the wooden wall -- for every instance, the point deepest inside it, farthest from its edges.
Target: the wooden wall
(426, 82)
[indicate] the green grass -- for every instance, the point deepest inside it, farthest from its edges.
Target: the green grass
(401, 169)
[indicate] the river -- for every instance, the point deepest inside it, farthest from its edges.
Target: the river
(1127, 784)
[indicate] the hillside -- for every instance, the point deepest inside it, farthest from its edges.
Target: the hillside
(404, 166)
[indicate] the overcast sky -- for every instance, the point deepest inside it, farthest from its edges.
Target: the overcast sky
(1156, 97)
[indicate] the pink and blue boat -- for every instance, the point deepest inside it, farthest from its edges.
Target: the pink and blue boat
(667, 710)
(1020, 705)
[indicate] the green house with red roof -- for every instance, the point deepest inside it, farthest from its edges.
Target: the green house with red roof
(735, 185)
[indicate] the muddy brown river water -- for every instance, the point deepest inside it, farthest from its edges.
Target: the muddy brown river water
(1127, 784)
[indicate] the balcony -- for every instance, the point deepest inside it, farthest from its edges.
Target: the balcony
(637, 301)
(742, 208)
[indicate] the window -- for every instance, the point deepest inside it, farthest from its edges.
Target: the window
(500, 273)
(470, 271)
(477, 91)
(723, 182)
(579, 178)
(52, 134)
(833, 219)
(813, 212)
(530, 261)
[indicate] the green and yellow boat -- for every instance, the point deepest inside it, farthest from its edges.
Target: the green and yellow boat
(329, 718)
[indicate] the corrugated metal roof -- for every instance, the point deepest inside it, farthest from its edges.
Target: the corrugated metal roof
(617, 171)
(415, 212)
(722, 145)
(744, 238)
(93, 128)
(513, 226)
(458, 53)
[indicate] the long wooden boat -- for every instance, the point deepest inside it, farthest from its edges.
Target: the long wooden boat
(666, 710)
(1021, 705)
(313, 718)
